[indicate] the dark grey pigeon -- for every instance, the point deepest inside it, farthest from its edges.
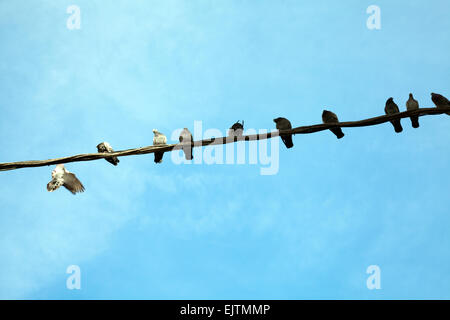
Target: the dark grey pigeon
(236, 129)
(392, 108)
(440, 101)
(62, 177)
(105, 147)
(412, 104)
(187, 139)
(330, 117)
(284, 124)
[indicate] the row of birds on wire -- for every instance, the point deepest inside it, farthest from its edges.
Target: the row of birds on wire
(62, 177)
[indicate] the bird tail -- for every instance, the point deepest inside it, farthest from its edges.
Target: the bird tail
(159, 157)
(53, 185)
(113, 160)
(415, 121)
(397, 126)
(287, 140)
(338, 132)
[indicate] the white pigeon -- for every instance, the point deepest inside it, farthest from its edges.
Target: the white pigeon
(159, 139)
(62, 177)
(187, 141)
(105, 147)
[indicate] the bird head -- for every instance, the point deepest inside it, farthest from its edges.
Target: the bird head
(410, 95)
(390, 100)
(100, 146)
(155, 131)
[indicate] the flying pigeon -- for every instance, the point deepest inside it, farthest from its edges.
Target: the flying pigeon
(412, 104)
(62, 177)
(330, 117)
(284, 124)
(236, 129)
(105, 147)
(440, 101)
(159, 139)
(186, 138)
(392, 108)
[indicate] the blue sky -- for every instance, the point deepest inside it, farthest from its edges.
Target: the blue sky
(195, 231)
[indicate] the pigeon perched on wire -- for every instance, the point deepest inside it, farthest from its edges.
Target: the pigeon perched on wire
(105, 147)
(392, 108)
(284, 124)
(236, 129)
(158, 140)
(62, 177)
(440, 101)
(330, 117)
(412, 104)
(188, 141)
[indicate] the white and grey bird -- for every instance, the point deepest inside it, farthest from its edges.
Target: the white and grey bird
(62, 177)
(331, 117)
(158, 140)
(187, 141)
(284, 124)
(412, 104)
(236, 129)
(392, 108)
(105, 147)
(440, 101)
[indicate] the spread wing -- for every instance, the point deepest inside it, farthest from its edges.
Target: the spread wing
(54, 184)
(72, 183)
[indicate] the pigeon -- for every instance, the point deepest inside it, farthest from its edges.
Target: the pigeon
(440, 101)
(187, 139)
(284, 124)
(330, 117)
(62, 177)
(412, 104)
(159, 139)
(236, 129)
(105, 147)
(392, 108)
